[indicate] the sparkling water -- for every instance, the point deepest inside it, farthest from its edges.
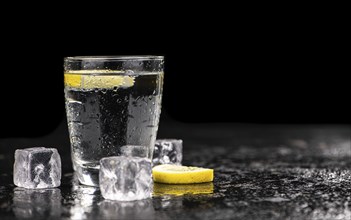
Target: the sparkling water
(102, 120)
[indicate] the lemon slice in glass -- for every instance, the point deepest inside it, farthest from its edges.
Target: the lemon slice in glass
(175, 174)
(97, 81)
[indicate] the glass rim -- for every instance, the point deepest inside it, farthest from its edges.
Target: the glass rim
(114, 58)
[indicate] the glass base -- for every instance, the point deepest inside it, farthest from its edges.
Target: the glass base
(87, 175)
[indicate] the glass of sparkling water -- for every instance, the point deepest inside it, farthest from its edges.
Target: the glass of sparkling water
(111, 101)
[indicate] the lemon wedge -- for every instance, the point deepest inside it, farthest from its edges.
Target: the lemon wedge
(175, 174)
(97, 81)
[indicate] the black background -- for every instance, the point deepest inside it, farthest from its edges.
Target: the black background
(250, 71)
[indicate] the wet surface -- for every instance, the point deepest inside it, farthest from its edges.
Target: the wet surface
(261, 172)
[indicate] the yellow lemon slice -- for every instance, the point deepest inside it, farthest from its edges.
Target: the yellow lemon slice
(182, 189)
(97, 81)
(175, 174)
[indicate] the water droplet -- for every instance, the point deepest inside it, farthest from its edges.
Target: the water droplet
(129, 72)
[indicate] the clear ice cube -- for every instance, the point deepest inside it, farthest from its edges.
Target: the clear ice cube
(134, 151)
(125, 178)
(168, 151)
(37, 168)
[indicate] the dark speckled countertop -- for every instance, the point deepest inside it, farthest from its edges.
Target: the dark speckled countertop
(261, 172)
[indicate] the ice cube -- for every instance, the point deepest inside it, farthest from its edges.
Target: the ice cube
(168, 151)
(125, 178)
(37, 168)
(134, 151)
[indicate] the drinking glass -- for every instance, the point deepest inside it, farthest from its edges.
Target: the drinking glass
(111, 101)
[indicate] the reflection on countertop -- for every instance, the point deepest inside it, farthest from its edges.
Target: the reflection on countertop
(272, 172)
(37, 204)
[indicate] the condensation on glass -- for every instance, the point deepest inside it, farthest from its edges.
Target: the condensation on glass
(111, 101)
